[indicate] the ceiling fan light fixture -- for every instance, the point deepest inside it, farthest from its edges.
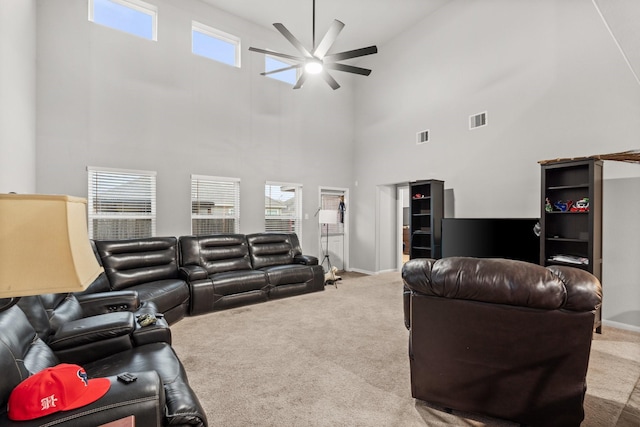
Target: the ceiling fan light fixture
(313, 66)
(318, 60)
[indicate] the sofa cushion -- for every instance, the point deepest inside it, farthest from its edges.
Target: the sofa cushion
(165, 294)
(235, 282)
(287, 274)
(183, 407)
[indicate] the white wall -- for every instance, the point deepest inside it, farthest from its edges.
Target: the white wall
(554, 84)
(17, 96)
(109, 99)
(548, 72)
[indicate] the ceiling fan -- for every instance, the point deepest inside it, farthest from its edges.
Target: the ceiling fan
(318, 60)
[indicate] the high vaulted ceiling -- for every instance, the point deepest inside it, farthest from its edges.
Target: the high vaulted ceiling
(367, 22)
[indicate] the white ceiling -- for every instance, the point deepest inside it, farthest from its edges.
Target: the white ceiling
(367, 22)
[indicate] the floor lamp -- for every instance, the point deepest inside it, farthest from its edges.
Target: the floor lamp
(325, 218)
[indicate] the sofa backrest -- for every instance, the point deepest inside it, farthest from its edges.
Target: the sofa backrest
(216, 253)
(267, 249)
(48, 312)
(134, 261)
(22, 352)
(101, 284)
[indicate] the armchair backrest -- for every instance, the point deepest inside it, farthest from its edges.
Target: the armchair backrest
(134, 261)
(502, 338)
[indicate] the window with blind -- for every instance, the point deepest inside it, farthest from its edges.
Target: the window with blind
(283, 207)
(215, 205)
(121, 204)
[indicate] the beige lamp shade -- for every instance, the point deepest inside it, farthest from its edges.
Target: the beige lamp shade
(44, 245)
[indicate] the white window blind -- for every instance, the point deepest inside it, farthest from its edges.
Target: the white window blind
(121, 203)
(283, 207)
(215, 205)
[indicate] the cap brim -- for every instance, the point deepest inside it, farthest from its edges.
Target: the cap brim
(96, 388)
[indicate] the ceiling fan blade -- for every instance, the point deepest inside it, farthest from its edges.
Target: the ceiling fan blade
(328, 39)
(272, 53)
(301, 80)
(348, 68)
(294, 41)
(351, 54)
(332, 82)
(266, 73)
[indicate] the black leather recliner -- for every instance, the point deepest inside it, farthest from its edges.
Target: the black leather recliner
(161, 394)
(228, 270)
(503, 338)
(150, 267)
(81, 329)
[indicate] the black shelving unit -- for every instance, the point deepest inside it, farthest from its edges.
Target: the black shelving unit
(572, 235)
(427, 210)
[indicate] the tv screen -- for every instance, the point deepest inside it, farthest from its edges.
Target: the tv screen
(511, 238)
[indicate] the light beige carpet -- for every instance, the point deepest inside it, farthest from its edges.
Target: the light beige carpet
(339, 358)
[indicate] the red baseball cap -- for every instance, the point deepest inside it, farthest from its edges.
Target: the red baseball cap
(60, 388)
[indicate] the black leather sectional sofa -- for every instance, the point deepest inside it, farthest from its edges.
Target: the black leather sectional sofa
(233, 269)
(99, 329)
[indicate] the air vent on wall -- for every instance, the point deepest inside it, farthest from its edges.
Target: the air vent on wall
(478, 120)
(422, 137)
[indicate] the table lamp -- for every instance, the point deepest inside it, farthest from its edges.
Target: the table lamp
(44, 246)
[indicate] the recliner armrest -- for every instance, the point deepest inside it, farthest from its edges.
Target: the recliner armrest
(305, 259)
(92, 329)
(143, 398)
(193, 272)
(108, 302)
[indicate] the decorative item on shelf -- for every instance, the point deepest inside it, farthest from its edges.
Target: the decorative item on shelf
(418, 196)
(563, 206)
(49, 231)
(547, 205)
(581, 205)
(570, 259)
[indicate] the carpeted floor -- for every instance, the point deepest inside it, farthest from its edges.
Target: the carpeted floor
(339, 358)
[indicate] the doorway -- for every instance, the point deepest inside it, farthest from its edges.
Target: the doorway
(334, 238)
(402, 226)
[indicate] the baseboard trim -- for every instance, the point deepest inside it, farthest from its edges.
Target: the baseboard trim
(358, 270)
(373, 273)
(619, 325)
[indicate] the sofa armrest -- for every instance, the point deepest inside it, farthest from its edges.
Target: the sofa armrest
(305, 259)
(92, 329)
(108, 302)
(193, 272)
(584, 290)
(143, 398)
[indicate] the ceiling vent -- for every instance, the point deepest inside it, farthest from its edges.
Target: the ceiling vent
(478, 120)
(422, 137)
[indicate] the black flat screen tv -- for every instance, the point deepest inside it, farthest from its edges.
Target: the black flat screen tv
(511, 238)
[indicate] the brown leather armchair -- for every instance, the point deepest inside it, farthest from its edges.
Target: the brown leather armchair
(502, 338)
